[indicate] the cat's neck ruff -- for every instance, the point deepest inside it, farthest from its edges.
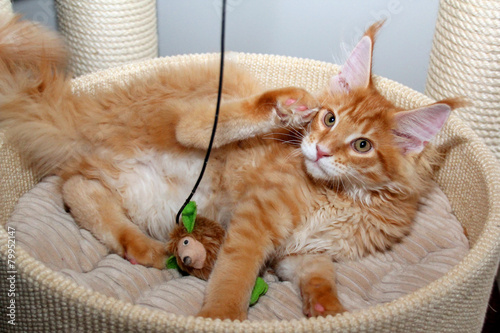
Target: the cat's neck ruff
(365, 195)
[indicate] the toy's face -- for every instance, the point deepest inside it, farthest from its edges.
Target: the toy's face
(191, 252)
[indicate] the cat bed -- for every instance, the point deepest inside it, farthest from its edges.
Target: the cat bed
(64, 288)
(49, 234)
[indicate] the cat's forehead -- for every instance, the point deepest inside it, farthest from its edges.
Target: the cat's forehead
(361, 108)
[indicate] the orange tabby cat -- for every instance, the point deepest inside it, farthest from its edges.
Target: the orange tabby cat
(352, 188)
(129, 155)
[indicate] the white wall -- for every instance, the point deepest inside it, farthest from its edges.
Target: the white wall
(317, 29)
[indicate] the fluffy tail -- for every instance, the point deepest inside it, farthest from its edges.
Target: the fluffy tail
(36, 102)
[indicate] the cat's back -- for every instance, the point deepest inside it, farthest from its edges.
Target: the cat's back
(189, 81)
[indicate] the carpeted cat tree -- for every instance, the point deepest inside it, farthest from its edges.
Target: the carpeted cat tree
(46, 301)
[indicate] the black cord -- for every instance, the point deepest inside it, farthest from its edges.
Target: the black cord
(219, 95)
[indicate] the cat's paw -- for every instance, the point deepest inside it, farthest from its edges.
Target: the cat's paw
(319, 298)
(295, 106)
(291, 105)
(149, 253)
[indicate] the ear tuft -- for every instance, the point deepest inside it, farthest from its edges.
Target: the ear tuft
(415, 128)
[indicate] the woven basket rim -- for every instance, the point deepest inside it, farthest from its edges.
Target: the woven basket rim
(486, 244)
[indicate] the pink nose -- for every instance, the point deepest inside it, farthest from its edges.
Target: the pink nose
(320, 153)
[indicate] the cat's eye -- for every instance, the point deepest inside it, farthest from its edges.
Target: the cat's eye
(362, 145)
(329, 119)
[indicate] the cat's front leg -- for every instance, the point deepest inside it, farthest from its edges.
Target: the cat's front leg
(251, 238)
(233, 277)
(245, 118)
(314, 276)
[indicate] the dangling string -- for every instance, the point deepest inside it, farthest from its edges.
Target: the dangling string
(219, 95)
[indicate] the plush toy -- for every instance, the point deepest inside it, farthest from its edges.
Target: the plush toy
(194, 249)
(194, 245)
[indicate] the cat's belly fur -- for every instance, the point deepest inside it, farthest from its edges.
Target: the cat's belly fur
(154, 186)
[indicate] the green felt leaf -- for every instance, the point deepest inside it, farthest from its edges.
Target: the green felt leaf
(172, 263)
(189, 216)
(259, 289)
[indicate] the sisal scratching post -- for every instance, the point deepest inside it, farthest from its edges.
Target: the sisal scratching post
(107, 33)
(465, 61)
(5, 6)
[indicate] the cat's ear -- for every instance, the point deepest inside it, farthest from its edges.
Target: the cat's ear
(357, 70)
(415, 128)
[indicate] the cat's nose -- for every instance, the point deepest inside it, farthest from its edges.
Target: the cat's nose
(321, 152)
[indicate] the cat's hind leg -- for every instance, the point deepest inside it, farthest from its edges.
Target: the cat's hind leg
(95, 208)
(314, 276)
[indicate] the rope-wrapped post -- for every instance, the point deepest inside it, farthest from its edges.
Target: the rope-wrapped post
(107, 33)
(465, 61)
(5, 7)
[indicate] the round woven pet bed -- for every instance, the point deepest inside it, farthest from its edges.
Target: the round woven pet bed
(46, 301)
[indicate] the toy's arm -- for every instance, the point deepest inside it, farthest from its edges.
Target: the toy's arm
(246, 118)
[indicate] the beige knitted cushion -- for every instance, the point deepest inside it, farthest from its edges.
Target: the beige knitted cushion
(456, 302)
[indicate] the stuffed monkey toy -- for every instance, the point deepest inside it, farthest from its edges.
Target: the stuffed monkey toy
(195, 251)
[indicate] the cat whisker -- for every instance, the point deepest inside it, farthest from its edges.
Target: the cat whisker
(294, 131)
(294, 153)
(293, 134)
(299, 133)
(351, 177)
(294, 142)
(343, 185)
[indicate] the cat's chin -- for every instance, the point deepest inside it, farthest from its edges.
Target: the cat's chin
(315, 171)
